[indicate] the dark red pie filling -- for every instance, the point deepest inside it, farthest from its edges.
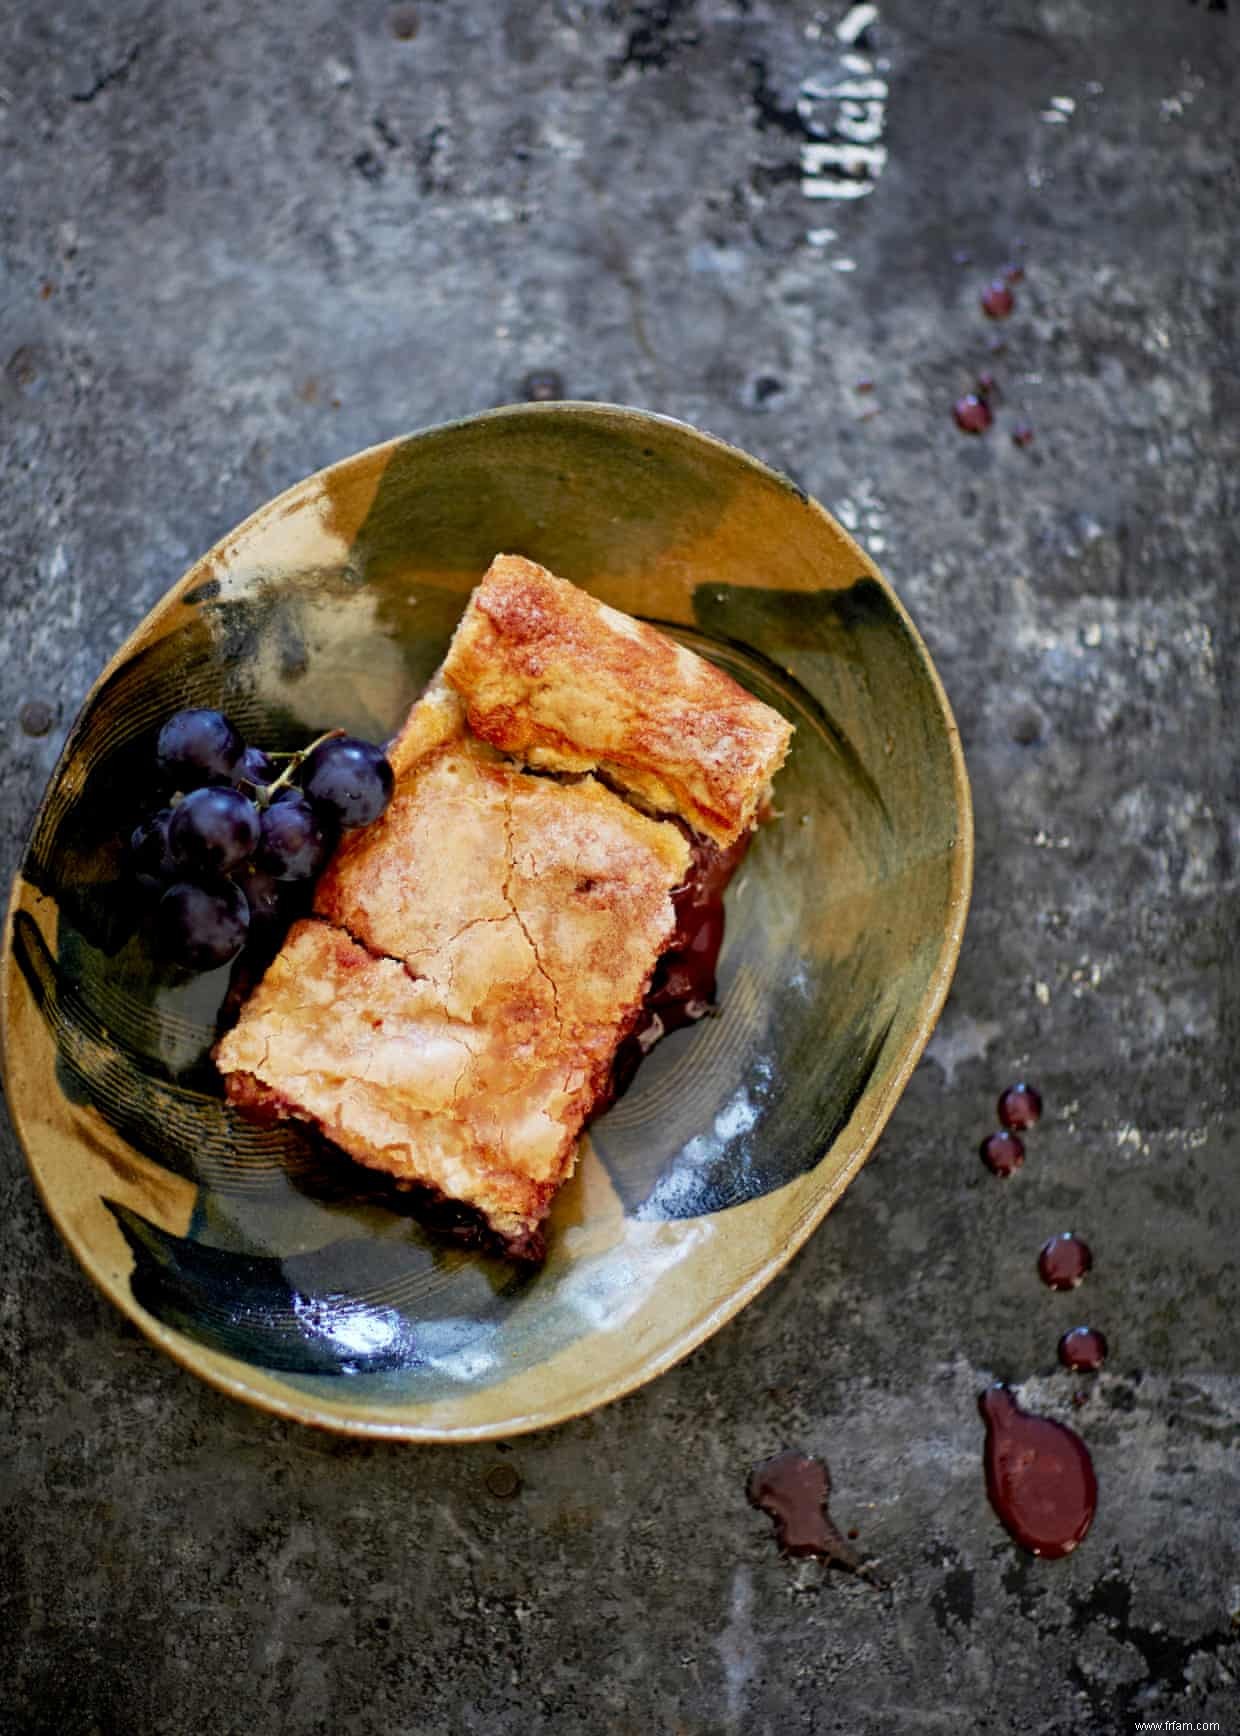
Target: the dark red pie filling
(682, 988)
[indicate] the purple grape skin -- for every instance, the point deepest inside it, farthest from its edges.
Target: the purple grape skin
(295, 839)
(202, 927)
(262, 893)
(254, 767)
(150, 853)
(350, 779)
(214, 830)
(198, 747)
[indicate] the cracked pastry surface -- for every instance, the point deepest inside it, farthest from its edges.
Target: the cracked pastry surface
(479, 952)
(565, 683)
(356, 1046)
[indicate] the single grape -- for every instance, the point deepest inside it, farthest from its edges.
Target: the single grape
(150, 853)
(198, 747)
(254, 767)
(213, 830)
(349, 779)
(295, 839)
(201, 927)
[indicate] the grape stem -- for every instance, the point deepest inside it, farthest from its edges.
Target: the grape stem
(295, 762)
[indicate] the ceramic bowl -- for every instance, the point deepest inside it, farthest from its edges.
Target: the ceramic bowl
(255, 1257)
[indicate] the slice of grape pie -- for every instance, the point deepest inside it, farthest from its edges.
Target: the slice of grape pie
(570, 790)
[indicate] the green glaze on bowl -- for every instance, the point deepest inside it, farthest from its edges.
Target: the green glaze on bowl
(271, 1266)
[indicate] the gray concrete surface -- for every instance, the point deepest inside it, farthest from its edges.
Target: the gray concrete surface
(238, 241)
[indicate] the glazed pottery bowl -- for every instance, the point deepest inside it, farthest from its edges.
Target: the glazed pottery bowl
(257, 1257)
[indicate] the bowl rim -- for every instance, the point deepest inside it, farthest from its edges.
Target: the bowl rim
(217, 1369)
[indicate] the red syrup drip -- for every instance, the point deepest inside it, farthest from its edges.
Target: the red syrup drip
(1039, 1476)
(793, 1489)
(682, 989)
(1064, 1261)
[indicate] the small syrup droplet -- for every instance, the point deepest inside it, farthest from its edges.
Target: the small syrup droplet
(1020, 1106)
(1039, 1476)
(543, 386)
(1064, 1261)
(973, 414)
(997, 300)
(1084, 1348)
(1003, 1153)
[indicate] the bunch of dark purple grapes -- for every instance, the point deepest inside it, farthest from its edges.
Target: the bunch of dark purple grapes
(240, 834)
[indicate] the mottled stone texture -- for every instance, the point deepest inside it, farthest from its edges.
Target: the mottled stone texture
(240, 240)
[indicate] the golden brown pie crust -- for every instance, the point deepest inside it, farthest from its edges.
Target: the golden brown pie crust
(565, 683)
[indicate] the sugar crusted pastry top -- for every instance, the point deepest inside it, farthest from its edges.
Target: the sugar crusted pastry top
(488, 882)
(351, 1043)
(565, 683)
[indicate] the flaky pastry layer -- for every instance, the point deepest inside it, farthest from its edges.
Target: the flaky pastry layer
(565, 683)
(354, 1045)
